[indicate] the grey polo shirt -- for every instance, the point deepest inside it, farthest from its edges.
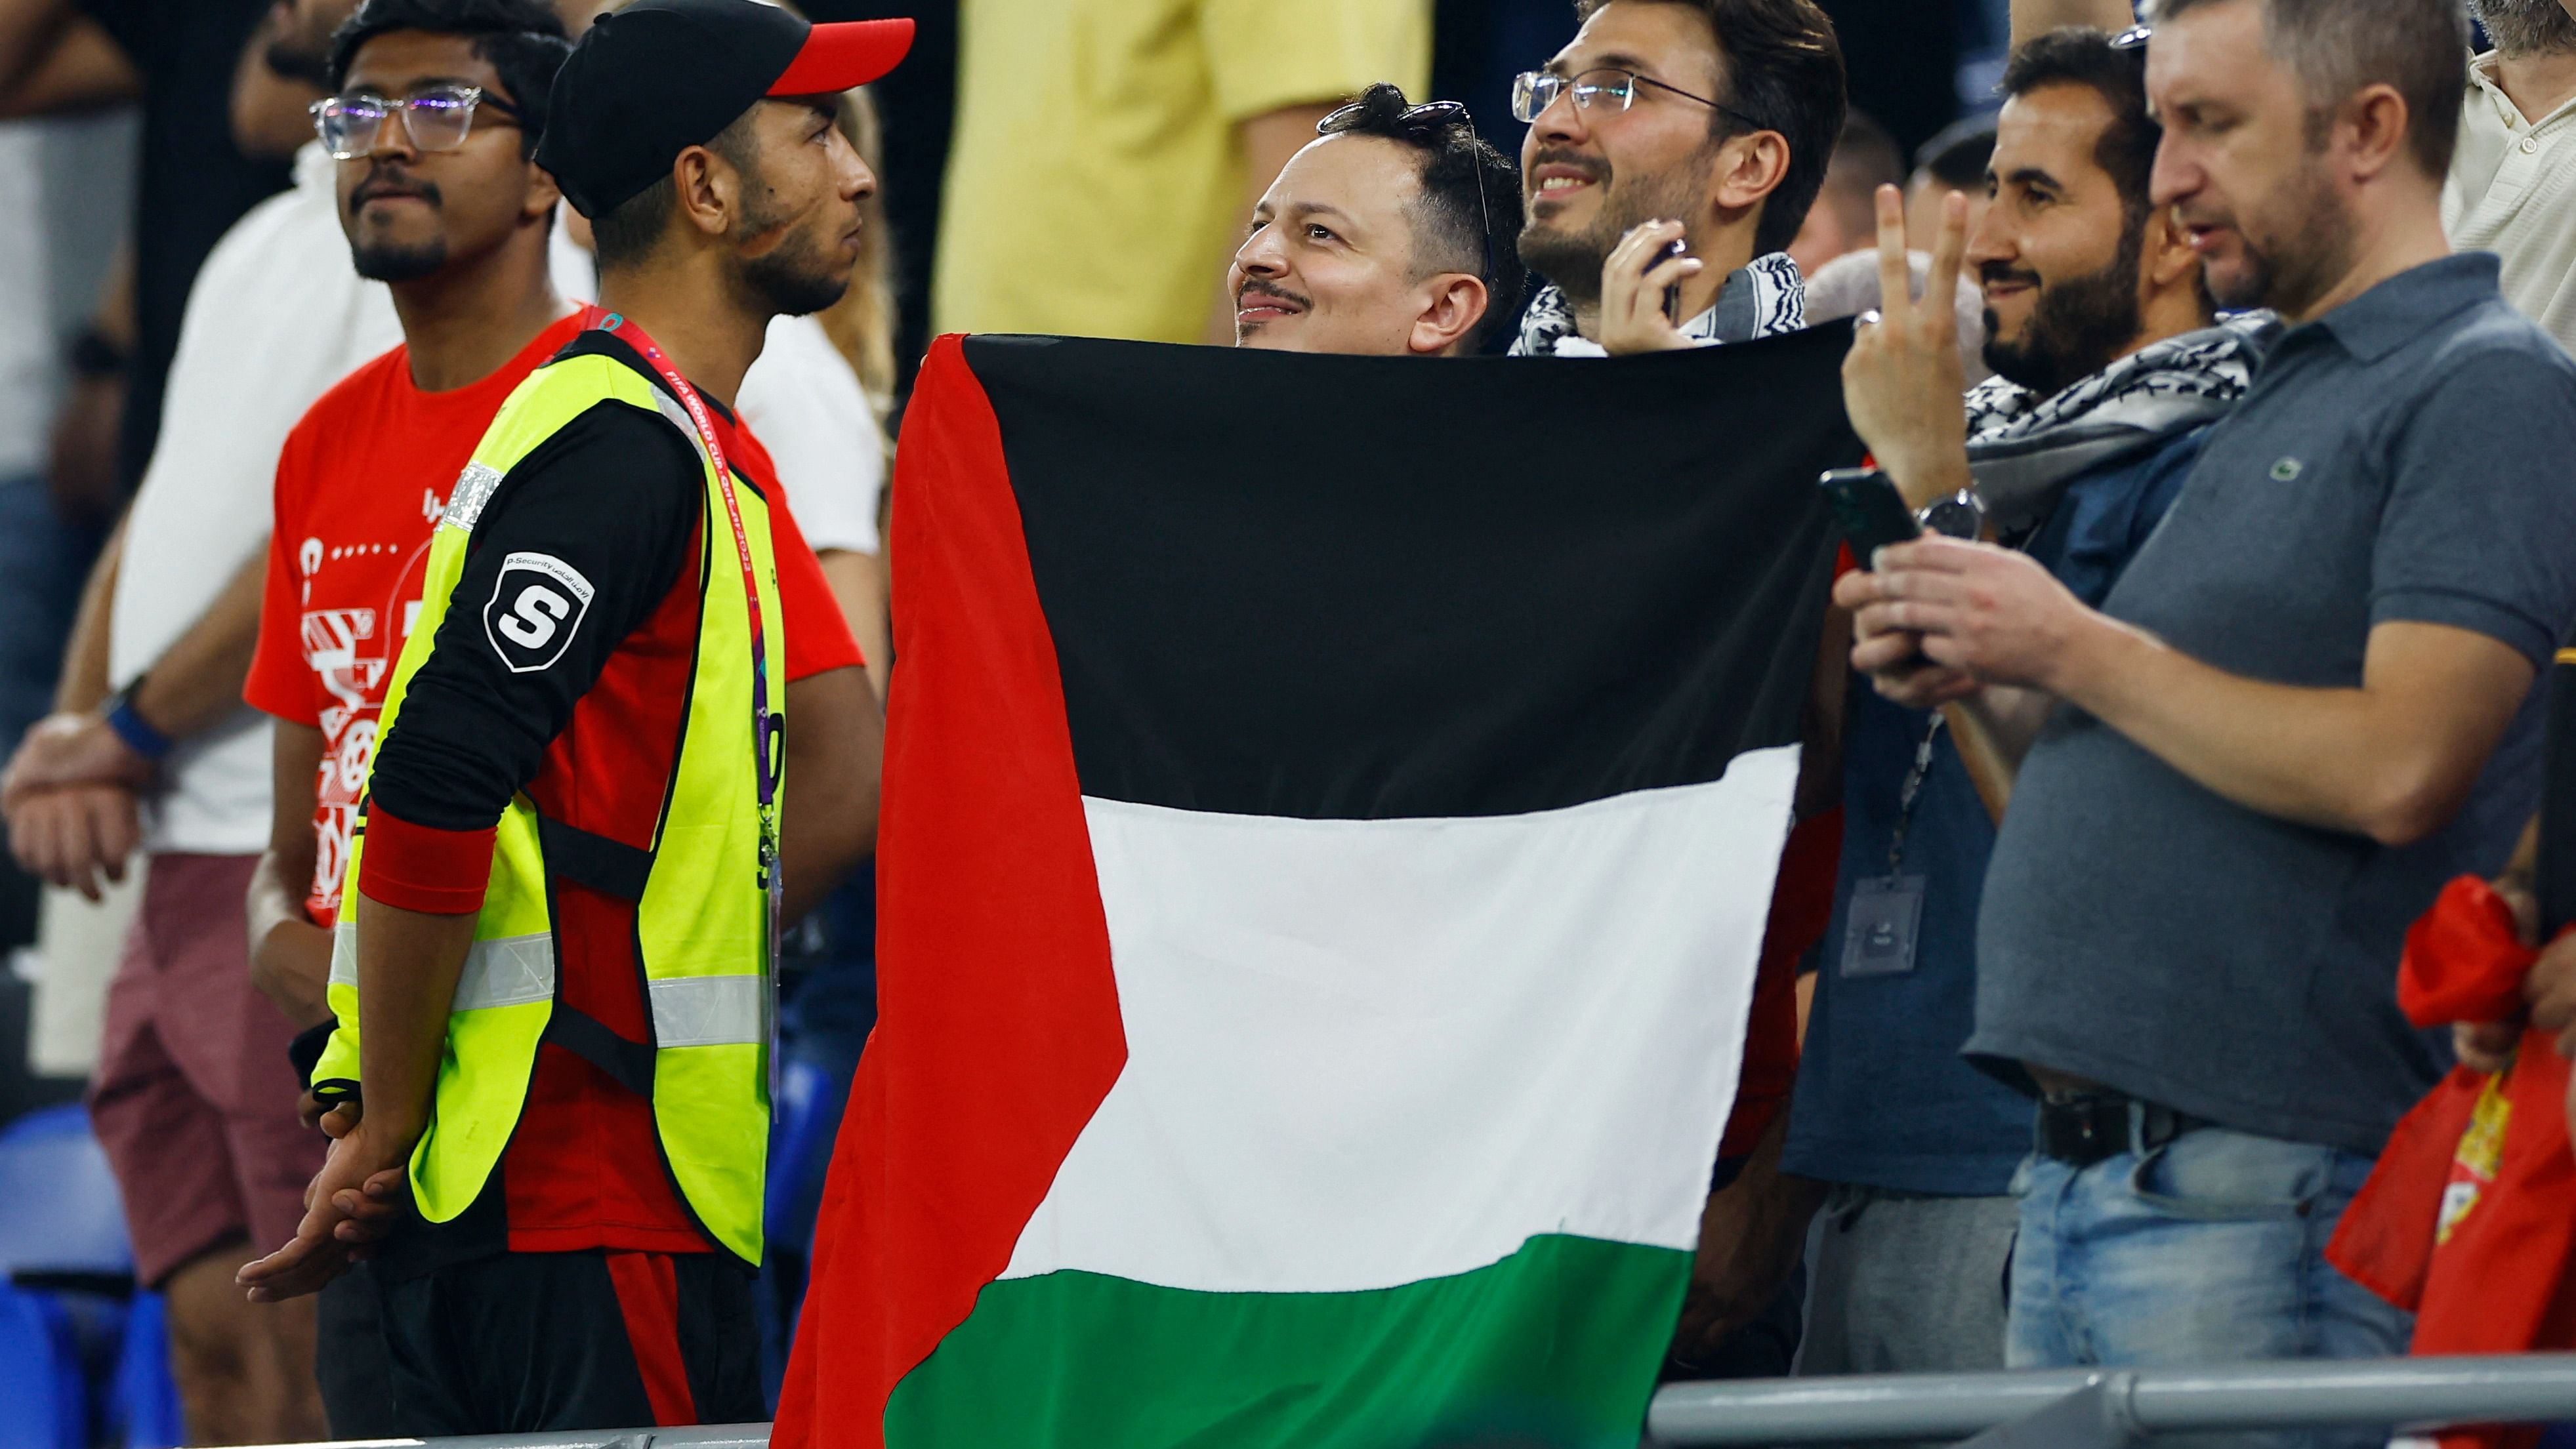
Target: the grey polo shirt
(2410, 456)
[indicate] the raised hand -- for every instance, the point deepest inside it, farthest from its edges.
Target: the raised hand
(1632, 292)
(1902, 382)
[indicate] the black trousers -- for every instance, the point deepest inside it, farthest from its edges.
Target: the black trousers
(523, 1343)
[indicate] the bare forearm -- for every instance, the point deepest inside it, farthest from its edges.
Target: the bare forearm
(858, 586)
(198, 680)
(408, 964)
(2037, 17)
(84, 680)
(277, 887)
(2361, 760)
(828, 820)
(29, 30)
(83, 70)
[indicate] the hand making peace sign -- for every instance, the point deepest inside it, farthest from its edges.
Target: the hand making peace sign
(1902, 382)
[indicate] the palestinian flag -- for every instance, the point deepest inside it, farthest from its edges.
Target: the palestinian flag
(1330, 810)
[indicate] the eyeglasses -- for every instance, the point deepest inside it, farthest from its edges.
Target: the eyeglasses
(1428, 114)
(1533, 91)
(436, 118)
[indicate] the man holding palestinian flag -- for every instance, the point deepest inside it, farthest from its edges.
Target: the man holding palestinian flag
(1322, 887)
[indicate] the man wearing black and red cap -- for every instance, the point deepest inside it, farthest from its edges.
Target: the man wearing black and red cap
(585, 816)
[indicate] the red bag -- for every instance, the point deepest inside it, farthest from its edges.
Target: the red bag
(2470, 1217)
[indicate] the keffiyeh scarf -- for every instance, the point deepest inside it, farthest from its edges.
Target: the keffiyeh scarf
(2023, 448)
(1763, 298)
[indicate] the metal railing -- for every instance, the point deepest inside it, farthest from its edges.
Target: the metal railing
(2115, 1406)
(2055, 1409)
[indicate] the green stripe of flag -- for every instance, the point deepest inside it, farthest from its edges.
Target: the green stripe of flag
(1564, 1335)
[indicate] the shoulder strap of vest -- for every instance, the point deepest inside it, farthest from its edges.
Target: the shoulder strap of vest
(599, 342)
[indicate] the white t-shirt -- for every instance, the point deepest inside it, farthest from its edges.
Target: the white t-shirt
(803, 401)
(26, 331)
(2512, 191)
(276, 316)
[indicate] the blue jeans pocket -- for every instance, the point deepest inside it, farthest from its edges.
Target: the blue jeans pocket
(2214, 1175)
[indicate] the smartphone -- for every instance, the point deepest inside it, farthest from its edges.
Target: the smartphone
(1872, 513)
(1673, 293)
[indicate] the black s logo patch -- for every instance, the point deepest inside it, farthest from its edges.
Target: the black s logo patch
(537, 604)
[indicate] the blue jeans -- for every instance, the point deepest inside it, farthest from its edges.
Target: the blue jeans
(2209, 1249)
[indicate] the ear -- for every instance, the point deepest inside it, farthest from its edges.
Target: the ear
(543, 195)
(1749, 168)
(2370, 128)
(2165, 256)
(710, 190)
(1452, 304)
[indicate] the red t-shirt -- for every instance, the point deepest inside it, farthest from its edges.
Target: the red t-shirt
(361, 483)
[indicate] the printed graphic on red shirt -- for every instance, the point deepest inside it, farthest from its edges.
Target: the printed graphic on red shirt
(361, 483)
(351, 650)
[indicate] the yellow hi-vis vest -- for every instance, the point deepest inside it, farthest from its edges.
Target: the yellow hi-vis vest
(701, 914)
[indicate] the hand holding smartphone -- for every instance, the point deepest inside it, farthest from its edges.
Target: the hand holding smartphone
(1672, 294)
(1872, 513)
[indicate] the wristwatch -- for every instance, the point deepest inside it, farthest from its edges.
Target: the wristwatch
(1961, 515)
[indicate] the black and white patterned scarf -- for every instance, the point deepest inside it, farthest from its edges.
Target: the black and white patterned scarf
(1763, 298)
(2022, 447)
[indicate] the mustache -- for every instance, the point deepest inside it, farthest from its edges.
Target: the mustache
(2002, 273)
(1593, 167)
(383, 180)
(1258, 288)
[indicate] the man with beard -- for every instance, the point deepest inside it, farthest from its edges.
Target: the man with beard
(1707, 122)
(558, 917)
(150, 746)
(2508, 191)
(455, 217)
(2108, 373)
(2304, 706)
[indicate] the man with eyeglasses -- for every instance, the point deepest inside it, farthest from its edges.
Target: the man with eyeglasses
(586, 818)
(1389, 234)
(1703, 122)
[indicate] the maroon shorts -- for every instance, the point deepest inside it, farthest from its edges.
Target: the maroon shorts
(195, 1099)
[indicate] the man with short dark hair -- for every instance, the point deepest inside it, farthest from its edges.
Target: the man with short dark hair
(2306, 704)
(586, 818)
(1704, 122)
(1390, 233)
(2109, 373)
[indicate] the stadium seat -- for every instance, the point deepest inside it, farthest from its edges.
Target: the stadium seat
(43, 1398)
(143, 1400)
(59, 1209)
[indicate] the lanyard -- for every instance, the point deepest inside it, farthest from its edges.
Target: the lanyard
(764, 724)
(1910, 793)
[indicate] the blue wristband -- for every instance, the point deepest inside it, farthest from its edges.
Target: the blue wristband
(136, 731)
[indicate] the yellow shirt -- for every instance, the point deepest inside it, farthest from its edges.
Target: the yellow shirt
(1095, 185)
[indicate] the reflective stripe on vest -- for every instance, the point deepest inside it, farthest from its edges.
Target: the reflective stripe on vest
(516, 970)
(700, 922)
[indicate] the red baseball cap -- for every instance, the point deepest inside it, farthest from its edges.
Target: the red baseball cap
(654, 78)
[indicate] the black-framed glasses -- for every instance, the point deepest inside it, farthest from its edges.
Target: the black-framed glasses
(436, 118)
(1533, 91)
(1428, 114)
